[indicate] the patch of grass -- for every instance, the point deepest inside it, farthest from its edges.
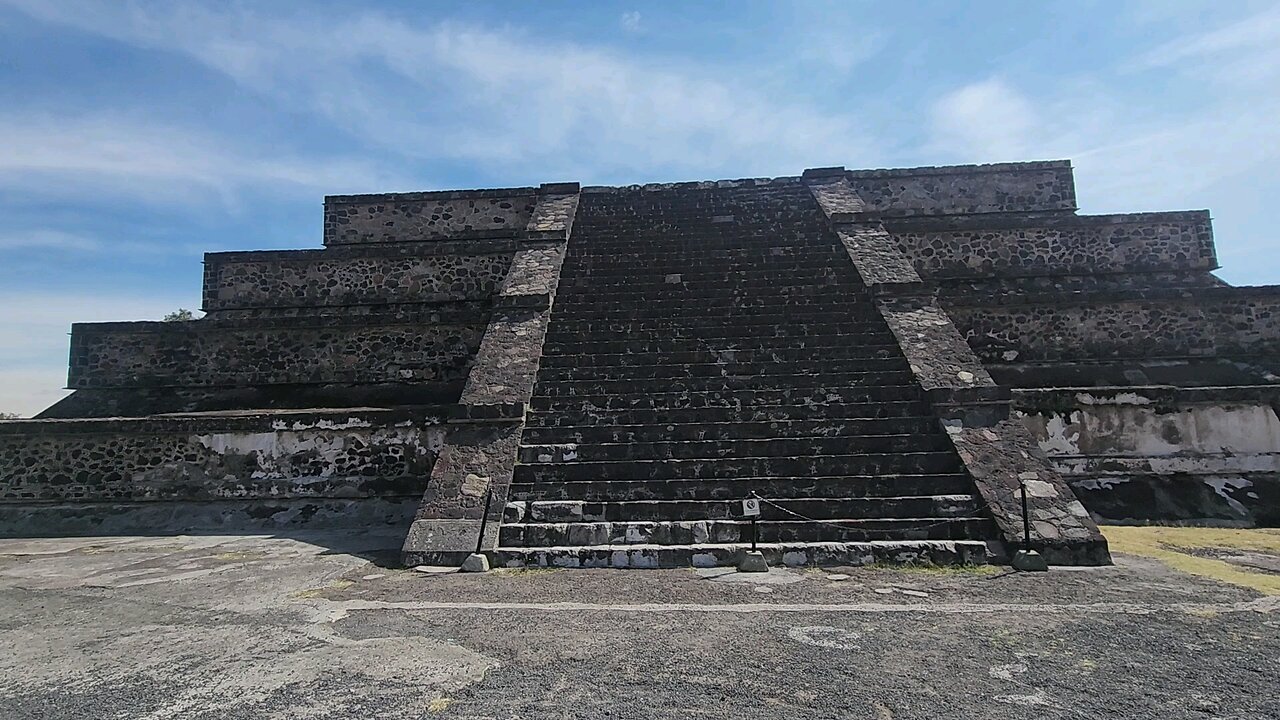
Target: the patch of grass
(439, 705)
(940, 569)
(1169, 546)
(520, 572)
(239, 555)
(317, 592)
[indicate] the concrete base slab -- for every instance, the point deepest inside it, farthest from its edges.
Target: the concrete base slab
(475, 563)
(1029, 561)
(753, 562)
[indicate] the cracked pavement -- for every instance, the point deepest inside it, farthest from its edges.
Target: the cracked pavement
(322, 626)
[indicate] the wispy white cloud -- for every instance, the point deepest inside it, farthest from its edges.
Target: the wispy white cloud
(989, 118)
(630, 21)
(120, 156)
(1252, 43)
(459, 92)
(45, 239)
(1128, 154)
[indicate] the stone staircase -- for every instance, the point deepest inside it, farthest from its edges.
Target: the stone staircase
(708, 344)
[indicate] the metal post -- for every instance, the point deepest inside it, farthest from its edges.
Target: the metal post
(753, 533)
(1026, 520)
(488, 500)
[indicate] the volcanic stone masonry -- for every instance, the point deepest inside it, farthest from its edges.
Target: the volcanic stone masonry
(887, 359)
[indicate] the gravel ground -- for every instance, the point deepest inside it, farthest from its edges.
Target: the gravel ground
(322, 627)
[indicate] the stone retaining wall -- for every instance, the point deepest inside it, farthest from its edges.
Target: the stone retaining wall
(323, 349)
(971, 247)
(414, 217)
(1161, 454)
(1007, 187)
(1222, 321)
(97, 470)
(320, 278)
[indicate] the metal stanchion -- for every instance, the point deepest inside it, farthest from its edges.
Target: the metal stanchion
(478, 561)
(1026, 559)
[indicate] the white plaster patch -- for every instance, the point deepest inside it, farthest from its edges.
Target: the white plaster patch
(825, 636)
(1120, 398)
(1006, 672)
(1040, 489)
(1221, 485)
(1036, 699)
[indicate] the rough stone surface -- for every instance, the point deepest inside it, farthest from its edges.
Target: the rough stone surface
(967, 246)
(1223, 321)
(534, 272)
(553, 217)
(407, 217)
(873, 253)
(996, 453)
(318, 350)
(350, 454)
(836, 197)
(309, 278)
(937, 352)
(315, 625)
(1002, 456)
(1021, 187)
(800, 336)
(503, 374)
(507, 363)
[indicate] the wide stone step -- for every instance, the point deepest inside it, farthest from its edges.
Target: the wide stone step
(706, 355)
(850, 508)
(663, 230)
(626, 320)
(581, 254)
(729, 399)
(653, 282)
(661, 239)
(586, 388)
(792, 467)
(692, 449)
(586, 307)
(897, 552)
(723, 370)
(711, 294)
(739, 488)
(878, 333)
(670, 432)
(816, 345)
(569, 416)
(687, 532)
(706, 267)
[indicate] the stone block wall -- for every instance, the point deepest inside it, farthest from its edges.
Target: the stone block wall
(479, 457)
(964, 189)
(121, 474)
(415, 217)
(1163, 454)
(1222, 321)
(981, 248)
(355, 276)
(998, 453)
(290, 350)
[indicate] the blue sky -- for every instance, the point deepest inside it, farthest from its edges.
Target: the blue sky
(136, 135)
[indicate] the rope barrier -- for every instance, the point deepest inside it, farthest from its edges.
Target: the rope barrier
(981, 507)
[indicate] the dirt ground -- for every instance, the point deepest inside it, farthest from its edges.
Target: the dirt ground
(1185, 625)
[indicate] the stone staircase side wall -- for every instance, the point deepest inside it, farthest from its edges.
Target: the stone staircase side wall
(998, 453)
(479, 455)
